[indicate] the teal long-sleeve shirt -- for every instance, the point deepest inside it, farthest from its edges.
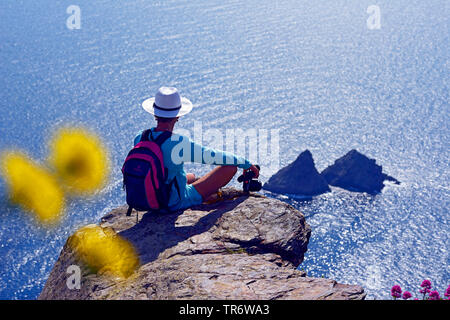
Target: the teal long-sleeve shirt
(179, 149)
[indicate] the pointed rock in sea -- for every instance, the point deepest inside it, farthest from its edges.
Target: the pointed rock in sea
(356, 172)
(300, 178)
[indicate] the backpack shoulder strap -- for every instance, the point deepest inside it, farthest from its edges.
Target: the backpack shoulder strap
(129, 211)
(163, 137)
(145, 135)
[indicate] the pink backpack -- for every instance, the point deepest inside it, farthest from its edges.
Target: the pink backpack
(144, 174)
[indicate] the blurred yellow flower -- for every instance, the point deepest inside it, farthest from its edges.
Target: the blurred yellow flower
(32, 187)
(80, 160)
(104, 251)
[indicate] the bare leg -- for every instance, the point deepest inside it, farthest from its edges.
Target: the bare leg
(214, 180)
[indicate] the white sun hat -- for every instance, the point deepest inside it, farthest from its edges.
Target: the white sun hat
(167, 103)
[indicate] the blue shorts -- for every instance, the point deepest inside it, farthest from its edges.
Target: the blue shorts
(189, 198)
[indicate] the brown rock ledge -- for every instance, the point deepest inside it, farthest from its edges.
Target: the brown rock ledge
(245, 247)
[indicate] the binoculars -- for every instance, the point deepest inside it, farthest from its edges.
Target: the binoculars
(250, 184)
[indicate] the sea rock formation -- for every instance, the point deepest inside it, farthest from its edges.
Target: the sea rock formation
(356, 172)
(300, 178)
(244, 247)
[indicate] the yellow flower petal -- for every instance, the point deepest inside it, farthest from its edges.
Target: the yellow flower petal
(32, 187)
(80, 160)
(104, 251)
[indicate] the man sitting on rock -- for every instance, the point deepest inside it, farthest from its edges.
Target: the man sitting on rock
(168, 106)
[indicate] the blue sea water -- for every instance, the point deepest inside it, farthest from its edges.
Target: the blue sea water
(312, 69)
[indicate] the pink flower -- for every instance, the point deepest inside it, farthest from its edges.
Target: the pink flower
(396, 291)
(447, 292)
(426, 285)
(425, 291)
(434, 295)
(406, 295)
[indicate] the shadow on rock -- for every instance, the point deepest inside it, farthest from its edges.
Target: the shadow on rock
(157, 232)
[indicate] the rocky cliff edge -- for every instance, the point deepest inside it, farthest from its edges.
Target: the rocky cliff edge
(244, 247)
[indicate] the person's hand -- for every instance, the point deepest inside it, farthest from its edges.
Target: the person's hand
(255, 171)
